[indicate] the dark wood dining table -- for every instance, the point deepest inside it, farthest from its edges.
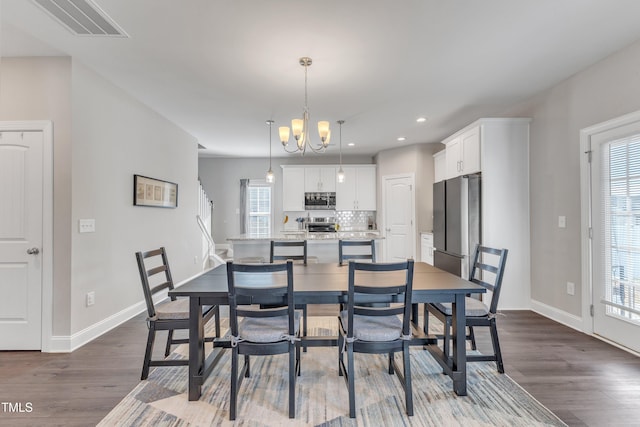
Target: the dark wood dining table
(327, 284)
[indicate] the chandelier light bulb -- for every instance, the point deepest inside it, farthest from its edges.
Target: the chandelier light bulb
(284, 135)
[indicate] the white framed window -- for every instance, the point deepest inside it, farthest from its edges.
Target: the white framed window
(259, 208)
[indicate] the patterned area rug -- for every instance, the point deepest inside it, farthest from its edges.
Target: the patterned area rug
(321, 395)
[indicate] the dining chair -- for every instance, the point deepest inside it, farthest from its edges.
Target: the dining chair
(172, 315)
(298, 253)
(344, 256)
(260, 332)
(487, 270)
(296, 250)
(382, 330)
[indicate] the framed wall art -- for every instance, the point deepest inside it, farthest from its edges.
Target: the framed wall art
(154, 192)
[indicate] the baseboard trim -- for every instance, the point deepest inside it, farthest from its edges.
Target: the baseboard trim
(560, 316)
(67, 344)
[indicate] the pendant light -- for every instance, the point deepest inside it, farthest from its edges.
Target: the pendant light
(340, 171)
(270, 178)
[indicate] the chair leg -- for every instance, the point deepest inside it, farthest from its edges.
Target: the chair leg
(408, 391)
(350, 377)
(292, 381)
(167, 350)
(472, 337)
(446, 348)
(298, 367)
(390, 363)
(340, 353)
(147, 354)
(426, 320)
(447, 337)
(233, 398)
(305, 323)
(247, 373)
(496, 345)
(217, 324)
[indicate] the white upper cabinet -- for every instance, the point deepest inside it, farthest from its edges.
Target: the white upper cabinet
(358, 191)
(463, 153)
(293, 188)
(440, 166)
(320, 179)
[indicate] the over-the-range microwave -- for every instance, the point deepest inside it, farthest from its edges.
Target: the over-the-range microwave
(318, 201)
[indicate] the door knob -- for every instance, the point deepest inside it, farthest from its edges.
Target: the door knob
(33, 251)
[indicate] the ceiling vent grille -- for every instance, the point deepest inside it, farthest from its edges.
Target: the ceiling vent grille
(82, 17)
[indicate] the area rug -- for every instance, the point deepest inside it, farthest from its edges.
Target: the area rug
(321, 395)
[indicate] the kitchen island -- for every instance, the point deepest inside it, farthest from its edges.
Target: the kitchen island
(322, 246)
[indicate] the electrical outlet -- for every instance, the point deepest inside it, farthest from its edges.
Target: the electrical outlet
(91, 298)
(571, 288)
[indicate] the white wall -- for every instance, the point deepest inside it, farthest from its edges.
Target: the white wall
(102, 136)
(608, 89)
(114, 137)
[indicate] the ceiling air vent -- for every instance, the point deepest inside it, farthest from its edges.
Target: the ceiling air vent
(82, 17)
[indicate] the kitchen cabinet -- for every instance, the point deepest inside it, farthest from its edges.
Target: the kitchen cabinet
(426, 247)
(440, 166)
(319, 179)
(503, 145)
(463, 153)
(358, 191)
(293, 188)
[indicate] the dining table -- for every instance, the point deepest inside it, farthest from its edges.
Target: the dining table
(327, 283)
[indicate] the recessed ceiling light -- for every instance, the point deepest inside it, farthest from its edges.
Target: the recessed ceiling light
(421, 119)
(351, 144)
(402, 138)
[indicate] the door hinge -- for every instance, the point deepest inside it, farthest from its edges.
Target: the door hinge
(591, 310)
(589, 155)
(590, 232)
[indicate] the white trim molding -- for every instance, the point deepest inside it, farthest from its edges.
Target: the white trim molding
(560, 316)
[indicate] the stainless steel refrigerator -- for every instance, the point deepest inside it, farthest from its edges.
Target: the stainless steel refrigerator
(456, 222)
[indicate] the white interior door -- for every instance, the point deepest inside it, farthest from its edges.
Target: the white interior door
(615, 210)
(21, 237)
(399, 214)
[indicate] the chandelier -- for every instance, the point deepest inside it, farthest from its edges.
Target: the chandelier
(300, 127)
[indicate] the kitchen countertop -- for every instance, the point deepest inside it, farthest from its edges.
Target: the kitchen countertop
(297, 235)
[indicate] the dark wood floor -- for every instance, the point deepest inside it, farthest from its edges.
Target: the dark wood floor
(585, 381)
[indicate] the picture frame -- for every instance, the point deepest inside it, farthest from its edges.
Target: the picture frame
(154, 192)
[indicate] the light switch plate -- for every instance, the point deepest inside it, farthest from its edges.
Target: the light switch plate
(571, 288)
(87, 226)
(562, 221)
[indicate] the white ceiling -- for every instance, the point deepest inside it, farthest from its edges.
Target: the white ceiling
(220, 68)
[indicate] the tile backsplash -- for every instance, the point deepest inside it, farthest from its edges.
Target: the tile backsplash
(356, 220)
